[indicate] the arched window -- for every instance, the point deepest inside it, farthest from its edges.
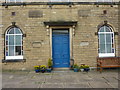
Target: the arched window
(14, 44)
(106, 42)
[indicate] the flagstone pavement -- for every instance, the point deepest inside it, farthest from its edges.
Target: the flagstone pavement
(61, 79)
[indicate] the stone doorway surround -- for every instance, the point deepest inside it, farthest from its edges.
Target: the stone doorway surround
(61, 24)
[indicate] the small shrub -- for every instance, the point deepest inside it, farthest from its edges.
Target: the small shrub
(49, 63)
(75, 66)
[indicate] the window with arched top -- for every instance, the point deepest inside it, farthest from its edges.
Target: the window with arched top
(14, 43)
(106, 42)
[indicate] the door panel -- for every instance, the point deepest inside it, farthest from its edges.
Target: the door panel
(60, 49)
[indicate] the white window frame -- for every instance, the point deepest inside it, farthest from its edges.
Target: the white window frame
(60, 0)
(13, 57)
(112, 42)
(14, 1)
(104, 0)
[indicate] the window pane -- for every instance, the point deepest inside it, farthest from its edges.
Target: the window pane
(6, 48)
(17, 31)
(11, 40)
(102, 48)
(107, 29)
(18, 0)
(11, 50)
(101, 29)
(6, 42)
(102, 38)
(11, 31)
(18, 40)
(6, 37)
(109, 49)
(108, 39)
(18, 50)
(6, 53)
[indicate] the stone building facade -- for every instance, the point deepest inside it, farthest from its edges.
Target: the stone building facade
(58, 31)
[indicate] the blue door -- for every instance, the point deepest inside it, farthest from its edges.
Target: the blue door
(60, 48)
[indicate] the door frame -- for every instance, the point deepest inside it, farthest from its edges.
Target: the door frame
(70, 39)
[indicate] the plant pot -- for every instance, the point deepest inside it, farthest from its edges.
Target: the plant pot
(81, 70)
(76, 69)
(49, 70)
(43, 70)
(37, 70)
(86, 69)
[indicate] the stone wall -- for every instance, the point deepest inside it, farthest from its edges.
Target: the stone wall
(37, 42)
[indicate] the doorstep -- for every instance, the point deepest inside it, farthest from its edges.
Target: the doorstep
(61, 70)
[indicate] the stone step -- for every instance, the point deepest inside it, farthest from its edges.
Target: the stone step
(62, 70)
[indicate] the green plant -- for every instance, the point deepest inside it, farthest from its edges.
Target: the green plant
(75, 66)
(37, 67)
(43, 67)
(49, 63)
(84, 66)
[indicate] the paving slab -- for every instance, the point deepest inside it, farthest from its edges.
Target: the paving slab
(113, 85)
(96, 84)
(29, 85)
(46, 85)
(80, 85)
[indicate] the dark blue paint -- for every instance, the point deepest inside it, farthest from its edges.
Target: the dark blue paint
(60, 50)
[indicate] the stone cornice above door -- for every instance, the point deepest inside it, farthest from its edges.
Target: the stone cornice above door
(61, 23)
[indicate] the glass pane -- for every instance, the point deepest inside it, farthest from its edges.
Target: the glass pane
(11, 40)
(18, 40)
(108, 39)
(17, 31)
(6, 53)
(11, 31)
(113, 50)
(6, 42)
(60, 31)
(6, 37)
(101, 29)
(107, 29)
(109, 49)
(18, 50)
(6, 48)
(102, 48)
(102, 38)
(11, 50)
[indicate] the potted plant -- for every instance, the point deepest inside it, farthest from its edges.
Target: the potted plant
(49, 69)
(43, 68)
(76, 68)
(84, 67)
(37, 69)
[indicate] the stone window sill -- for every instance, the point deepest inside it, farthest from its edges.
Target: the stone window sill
(13, 60)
